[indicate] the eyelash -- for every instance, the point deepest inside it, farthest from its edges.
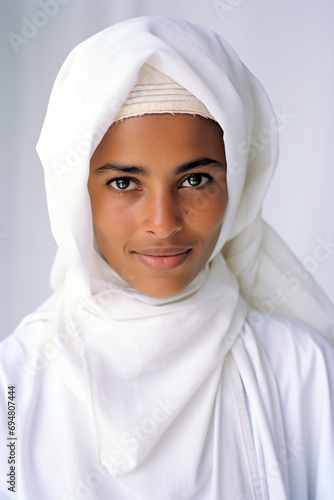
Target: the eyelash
(117, 190)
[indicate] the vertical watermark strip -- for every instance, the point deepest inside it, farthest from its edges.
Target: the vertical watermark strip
(11, 445)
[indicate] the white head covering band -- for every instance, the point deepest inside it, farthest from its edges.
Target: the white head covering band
(179, 367)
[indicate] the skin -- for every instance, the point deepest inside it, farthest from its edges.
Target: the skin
(156, 206)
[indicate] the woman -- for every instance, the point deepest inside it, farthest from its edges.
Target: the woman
(151, 372)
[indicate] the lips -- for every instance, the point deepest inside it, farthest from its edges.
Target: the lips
(162, 259)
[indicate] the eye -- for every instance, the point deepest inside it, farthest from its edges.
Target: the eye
(122, 184)
(196, 181)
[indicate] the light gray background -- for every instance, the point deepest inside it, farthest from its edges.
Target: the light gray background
(287, 44)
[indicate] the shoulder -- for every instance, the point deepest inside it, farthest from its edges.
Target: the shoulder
(285, 340)
(20, 350)
(301, 359)
(27, 343)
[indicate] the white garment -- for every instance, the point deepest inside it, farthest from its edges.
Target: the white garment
(57, 452)
(175, 398)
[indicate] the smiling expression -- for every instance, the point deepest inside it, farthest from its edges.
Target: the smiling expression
(157, 186)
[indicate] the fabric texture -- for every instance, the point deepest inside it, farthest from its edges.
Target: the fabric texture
(154, 372)
(155, 93)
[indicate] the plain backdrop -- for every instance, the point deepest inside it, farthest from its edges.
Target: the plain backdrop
(287, 44)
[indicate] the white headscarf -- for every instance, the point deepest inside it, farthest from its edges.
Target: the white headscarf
(174, 367)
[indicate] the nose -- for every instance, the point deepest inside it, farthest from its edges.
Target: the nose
(162, 214)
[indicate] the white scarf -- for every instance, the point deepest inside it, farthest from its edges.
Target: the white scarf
(166, 378)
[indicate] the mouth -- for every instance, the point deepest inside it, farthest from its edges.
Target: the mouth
(163, 259)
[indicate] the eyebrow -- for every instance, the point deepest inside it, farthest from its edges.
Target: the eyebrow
(185, 167)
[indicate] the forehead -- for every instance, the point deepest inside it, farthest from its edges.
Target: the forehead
(159, 138)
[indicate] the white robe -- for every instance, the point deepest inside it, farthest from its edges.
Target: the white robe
(56, 450)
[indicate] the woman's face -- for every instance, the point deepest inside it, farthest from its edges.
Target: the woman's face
(158, 193)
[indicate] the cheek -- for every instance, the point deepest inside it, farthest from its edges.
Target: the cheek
(113, 221)
(206, 211)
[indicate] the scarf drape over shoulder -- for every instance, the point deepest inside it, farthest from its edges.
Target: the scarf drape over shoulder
(189, 365)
